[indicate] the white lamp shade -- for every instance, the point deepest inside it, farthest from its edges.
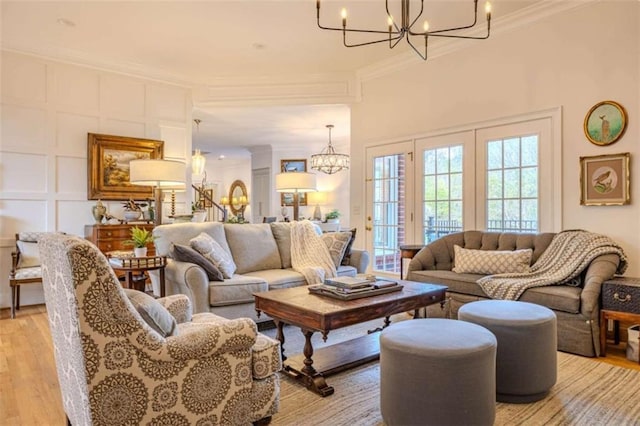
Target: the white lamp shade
(317, 197)
(295, 182)
(160, 173)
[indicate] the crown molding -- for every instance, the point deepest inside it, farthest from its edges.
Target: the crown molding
(73, 57)
(502, 25)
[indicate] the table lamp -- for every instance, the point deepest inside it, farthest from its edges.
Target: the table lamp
(317, 198)
(295, 182)
(159, 174)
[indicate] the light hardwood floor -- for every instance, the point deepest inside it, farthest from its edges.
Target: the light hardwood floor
(29, 393)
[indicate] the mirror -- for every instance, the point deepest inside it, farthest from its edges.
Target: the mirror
(238, 198)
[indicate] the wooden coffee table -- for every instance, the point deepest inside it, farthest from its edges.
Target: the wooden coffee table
(315, 313)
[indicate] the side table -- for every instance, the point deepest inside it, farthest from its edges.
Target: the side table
(620, 302)
(407, 251)
(130, 265)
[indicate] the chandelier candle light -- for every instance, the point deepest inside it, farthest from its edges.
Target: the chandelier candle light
(329, 161)
(396, 31)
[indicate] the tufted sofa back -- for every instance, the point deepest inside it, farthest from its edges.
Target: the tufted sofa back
(439, 254)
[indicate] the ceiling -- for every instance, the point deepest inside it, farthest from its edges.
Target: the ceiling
(204, 42)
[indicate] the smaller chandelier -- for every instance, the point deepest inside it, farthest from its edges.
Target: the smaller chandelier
(328, 161)
(198, 160)
(398, 29)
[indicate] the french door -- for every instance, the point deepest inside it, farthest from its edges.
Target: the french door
(389, 216)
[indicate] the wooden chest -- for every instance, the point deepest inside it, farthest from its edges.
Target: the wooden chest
(621, 294)
(112, 237)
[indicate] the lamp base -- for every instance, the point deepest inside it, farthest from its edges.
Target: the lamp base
(317, 213)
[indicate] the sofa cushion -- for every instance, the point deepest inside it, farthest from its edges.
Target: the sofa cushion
(235, 290)
(491, 261)
(29, 254)
(187, 254)
(337, 244)
(153, 313)
(346, 271)
(557, 297)
(282, 234)
(280, 278)
(209, 248)
(253, 247)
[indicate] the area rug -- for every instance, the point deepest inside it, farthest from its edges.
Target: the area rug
(587, 392)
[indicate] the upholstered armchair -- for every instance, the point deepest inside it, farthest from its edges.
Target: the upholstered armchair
(121, 359)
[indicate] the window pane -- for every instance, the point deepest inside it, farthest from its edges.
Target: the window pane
(512, 211)
(443, 210)
(494, 184)
(456, 186)
(530, 182)
(429, 162)
(530, 150)
(494, 215)
(494, 155)
(456, 213)
(442, 187)
(429, 211)
(442, 155)
(512, 152)
(512, 183)
(530, 215)
(456, 159)
(429, 188)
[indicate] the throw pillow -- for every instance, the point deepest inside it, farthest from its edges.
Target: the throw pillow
(337, 244)
(347, 252)
(153, 313)
(491, 261)
(187, 254)
(212, 250)
(29, 254)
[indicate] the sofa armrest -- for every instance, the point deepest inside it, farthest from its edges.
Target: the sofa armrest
(359, 260)
(422, 261)
(599, 270)
(189, 279)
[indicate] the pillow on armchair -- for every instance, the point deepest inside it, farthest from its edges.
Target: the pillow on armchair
(153, 313)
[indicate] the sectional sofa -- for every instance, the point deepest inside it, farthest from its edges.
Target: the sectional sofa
(261, 253)
(576, 306)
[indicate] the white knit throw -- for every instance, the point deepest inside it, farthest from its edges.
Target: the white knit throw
(569, 253)
(309, 254)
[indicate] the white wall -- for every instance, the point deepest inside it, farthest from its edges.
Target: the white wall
(572, 60)
(47, 110)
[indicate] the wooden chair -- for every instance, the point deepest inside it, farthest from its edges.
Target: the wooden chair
(25, 266)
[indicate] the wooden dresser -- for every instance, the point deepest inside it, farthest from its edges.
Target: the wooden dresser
(112, 237)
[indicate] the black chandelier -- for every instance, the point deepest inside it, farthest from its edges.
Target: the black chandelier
(396, 32)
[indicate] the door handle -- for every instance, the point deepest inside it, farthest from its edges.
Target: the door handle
(368, 228)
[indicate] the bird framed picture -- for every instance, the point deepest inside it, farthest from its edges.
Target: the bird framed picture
(605, 180)
(605, 123)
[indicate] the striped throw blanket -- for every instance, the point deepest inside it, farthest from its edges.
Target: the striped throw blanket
(309, 254)
(569, 253)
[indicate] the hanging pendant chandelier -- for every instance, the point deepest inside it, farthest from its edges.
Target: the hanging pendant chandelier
(396, 31)
(198, 160)
(328, 161)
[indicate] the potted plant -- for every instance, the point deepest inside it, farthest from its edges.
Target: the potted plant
(333, 216)
(139, 240)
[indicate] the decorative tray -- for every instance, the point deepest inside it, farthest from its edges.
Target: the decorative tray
(334, 292)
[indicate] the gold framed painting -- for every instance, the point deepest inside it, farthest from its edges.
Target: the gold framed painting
(293, 165)
(605, 180)
(108, 160)
(605, 123)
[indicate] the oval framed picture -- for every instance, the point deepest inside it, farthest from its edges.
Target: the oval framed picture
(605, 123)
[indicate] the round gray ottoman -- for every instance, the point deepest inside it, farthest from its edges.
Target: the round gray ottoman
(526, 365)
(437, 372)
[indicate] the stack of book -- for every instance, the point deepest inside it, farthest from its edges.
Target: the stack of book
(355, 287)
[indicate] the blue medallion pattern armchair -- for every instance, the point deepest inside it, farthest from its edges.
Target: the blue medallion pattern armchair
(116, 366)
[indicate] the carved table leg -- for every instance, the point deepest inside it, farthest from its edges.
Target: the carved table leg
(280, 337)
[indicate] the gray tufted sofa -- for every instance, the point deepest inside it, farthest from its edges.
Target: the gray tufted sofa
(261, 252)
(577, 308)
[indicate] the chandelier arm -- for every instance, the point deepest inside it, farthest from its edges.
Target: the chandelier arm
(475, 21)
(424, 57)
(466, 37)
(386, 5)
(384, 40)
(419, 15)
